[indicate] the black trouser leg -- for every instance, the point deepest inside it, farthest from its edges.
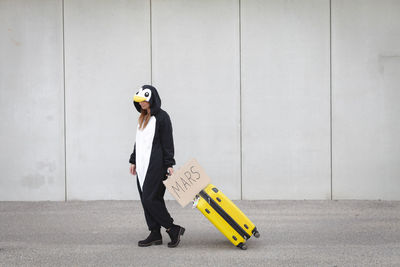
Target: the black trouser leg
(155, 211)
(151, 222)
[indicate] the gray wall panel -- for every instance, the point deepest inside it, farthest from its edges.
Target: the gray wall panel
(366, 112)
(196, 68)
(284, 127)
(107, 57)
(286, 99)
(31, 101)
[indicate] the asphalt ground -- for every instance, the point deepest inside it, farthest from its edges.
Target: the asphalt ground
(293, 233)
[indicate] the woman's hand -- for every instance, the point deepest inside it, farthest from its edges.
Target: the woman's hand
(170, 170)
(133, 169)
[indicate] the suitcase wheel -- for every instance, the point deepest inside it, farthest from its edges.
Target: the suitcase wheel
(242, 246)
(256, 233)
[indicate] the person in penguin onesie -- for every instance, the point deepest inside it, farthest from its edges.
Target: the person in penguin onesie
(151, 160)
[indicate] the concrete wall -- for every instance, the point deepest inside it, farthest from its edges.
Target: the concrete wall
(285, 99)
(104, 66)
(196, 67)
(249, 86)
(366, 95)
(31, 101)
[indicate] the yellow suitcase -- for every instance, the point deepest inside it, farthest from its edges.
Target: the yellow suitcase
(225, 216)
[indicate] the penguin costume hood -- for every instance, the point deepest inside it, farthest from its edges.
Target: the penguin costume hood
(153, 152)
(148, 93)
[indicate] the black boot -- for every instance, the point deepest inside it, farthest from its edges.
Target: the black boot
(175, 233)
(153, 239)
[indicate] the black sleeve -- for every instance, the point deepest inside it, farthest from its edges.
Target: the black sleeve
(132, 159)
(167, 141)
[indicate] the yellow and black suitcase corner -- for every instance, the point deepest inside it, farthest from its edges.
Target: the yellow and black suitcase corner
(225, 216)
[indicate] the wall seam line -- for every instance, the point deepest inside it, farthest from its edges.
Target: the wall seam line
(151, 45)
(330, 92)
(65, 113)
(240, 101)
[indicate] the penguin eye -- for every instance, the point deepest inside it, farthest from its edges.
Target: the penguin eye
(137, 92)
(146, 94)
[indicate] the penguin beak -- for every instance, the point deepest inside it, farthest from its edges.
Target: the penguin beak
(139, 99)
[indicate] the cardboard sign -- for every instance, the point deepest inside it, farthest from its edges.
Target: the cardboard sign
(187, 182)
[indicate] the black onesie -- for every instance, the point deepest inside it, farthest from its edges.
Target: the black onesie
(153, 154)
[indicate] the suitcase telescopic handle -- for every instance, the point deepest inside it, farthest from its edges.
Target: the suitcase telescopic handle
(205, 196)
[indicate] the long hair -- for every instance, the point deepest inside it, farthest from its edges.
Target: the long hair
(144, 118)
